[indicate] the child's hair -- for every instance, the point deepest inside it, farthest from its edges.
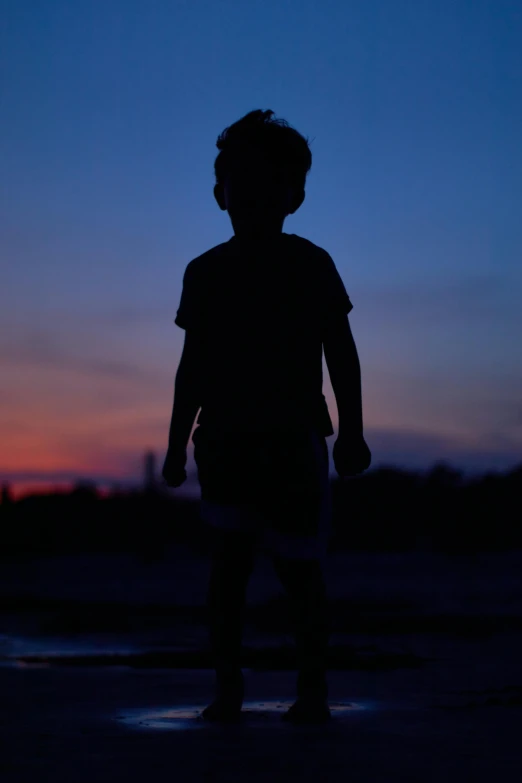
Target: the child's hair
(275, 139)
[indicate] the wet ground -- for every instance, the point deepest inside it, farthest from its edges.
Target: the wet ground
(444, 722)
(433, 691)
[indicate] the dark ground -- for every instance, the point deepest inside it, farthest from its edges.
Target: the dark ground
(448, 722)
(431, 648)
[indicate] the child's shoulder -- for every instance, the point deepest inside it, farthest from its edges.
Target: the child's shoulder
(302, 249)
(208, 258)
(308, 248)
(313, 257)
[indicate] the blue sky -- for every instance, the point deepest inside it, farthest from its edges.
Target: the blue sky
(111, 112)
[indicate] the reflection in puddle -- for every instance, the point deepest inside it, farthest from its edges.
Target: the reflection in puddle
(189, 717)
(13, 647)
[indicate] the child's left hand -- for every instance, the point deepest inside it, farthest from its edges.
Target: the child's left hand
(351, 456)
(174, 471)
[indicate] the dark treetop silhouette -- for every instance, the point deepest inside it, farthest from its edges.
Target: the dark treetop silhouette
(257, 312)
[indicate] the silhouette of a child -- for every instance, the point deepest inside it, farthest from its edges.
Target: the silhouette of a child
(258, 311)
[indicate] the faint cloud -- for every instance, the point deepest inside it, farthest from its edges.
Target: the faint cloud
(471, 297)
(129, 315)
(420, 450)
(44, 351)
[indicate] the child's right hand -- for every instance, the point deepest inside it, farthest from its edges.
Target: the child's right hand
(351, 455)
(174, 473)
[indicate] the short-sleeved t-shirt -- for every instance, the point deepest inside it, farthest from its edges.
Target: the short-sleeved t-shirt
(260, 313)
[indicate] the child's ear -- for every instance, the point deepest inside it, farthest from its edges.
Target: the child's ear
(220, 197)
(297, 199)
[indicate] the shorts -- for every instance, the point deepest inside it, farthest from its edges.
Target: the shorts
(275, 486)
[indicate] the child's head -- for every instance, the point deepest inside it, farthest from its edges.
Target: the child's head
(261, 171)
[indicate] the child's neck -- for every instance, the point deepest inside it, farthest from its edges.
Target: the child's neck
(258, 234)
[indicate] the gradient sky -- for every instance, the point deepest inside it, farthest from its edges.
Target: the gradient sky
(110, 114)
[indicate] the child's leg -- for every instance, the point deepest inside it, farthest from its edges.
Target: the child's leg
(303, 582)
(232, 564)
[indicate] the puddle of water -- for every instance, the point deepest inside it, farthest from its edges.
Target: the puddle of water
(189, 717)
(12, 647)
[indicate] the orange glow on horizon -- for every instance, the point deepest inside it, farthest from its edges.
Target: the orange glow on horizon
(63, 423)
(21, 489)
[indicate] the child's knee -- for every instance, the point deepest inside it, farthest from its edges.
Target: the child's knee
(234, 550)
(299, 575)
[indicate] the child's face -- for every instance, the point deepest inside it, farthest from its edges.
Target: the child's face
(256, 193)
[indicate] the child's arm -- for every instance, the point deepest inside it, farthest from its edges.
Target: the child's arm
(344, 369)
(186, 394)
(187, 386)
(351, 454)
(184, 411)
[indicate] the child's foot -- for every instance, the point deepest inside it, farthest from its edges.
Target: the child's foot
(304, 712)
(222, 711)
(226, 707)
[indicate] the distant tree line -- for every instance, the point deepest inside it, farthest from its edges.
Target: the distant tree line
(383, 510)
(396, 510)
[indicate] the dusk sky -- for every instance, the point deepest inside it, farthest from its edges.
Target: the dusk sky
(110, 114)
